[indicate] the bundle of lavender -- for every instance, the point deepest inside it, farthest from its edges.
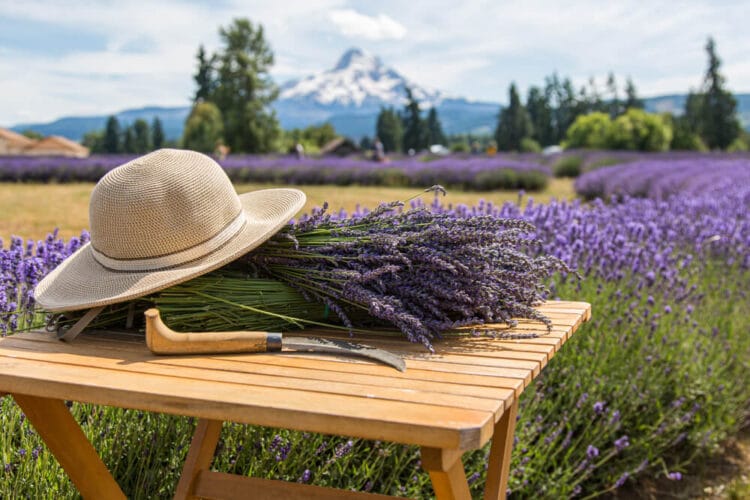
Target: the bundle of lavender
(424, 273)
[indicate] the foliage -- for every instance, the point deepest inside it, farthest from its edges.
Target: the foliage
(632, 101)
(415, 129)
(529, 145)
(514, 123)
(540, 114)
(568, 166)
(236, 79)
(111, 142)
(204, 76)
(639, 131)
(204, 128)
(32, 134)
(712, 112)
(158, 139)
(589, 131)
(435, 134)
(141, 137)
(94, 140)
(312, 138)
(635, 130)
(389, 130)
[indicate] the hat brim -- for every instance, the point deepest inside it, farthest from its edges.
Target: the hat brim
(81, 282)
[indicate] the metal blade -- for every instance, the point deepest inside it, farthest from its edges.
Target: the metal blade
(318, 344)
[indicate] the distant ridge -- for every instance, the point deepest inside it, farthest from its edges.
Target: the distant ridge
(349, 96)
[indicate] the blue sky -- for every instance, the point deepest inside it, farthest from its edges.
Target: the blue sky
(62, 58)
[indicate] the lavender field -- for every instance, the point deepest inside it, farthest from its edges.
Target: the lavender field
(655, 382)
(468, 173)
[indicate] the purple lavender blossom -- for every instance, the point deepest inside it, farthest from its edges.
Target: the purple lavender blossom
(622, 443)
(675, 476)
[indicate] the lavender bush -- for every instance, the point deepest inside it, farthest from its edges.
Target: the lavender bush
(661, 179)
(472, 173)
(656, 380)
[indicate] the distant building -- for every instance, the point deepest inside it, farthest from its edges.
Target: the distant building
(340, 146)
(12, 143)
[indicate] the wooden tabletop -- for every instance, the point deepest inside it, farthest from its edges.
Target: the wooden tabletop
(450, 399)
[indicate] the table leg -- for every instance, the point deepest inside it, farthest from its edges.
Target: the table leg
(67, 442)
(446, 472)
(498, 469)
(200, 455)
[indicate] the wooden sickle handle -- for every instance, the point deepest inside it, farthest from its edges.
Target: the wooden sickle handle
(163, 340)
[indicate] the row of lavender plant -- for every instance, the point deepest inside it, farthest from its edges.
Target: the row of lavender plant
(656, 379)
(472, 173)
(661, 179)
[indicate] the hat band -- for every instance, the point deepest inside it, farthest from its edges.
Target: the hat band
(174, 259)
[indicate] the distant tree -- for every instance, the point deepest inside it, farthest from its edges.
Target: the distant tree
(244, 89)
(204, 76)
(204, 128)
(141, 137)
(94, 140)
(128, 141)
(719, 123)
(157, 134)
(563, 103)
(589, 131)
(415, 129)
(365, 143)
(111, 141)
(614, 106)
(640, 131)
(312, 138)
(514, 123)
(631, 96)
(32, 134)
(540, 113)
(389, 130)
(684, 137)
(435, 134)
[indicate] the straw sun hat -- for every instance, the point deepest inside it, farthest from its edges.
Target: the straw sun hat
(159, 220)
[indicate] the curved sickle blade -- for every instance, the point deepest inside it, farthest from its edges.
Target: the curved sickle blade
(318, 344)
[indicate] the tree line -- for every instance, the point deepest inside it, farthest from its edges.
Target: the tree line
(556, 114)
(136, 138)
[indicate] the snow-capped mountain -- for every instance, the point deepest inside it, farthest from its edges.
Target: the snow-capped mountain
(358, 80)
(351, 94)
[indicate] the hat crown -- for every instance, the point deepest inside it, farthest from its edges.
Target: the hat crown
(163, 203)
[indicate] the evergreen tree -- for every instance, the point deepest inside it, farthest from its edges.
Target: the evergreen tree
(128, 141)
(631, 96)
(203, 128)
(204, 76)
(141, 137)
(540, 112)
(111, 141)
(514, 123)
(389, 129)
(614, 105)
(415, 130)
(157, 134)
(244, 89)
(719, 124)
(435, 133)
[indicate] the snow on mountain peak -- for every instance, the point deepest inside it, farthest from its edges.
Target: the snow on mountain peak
(358, 80)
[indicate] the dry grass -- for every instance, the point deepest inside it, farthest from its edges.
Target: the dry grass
(32, 210)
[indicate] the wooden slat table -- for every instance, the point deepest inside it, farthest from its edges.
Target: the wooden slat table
(448, 402)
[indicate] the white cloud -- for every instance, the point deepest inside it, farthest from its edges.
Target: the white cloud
(353, 24)
(473, 48)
